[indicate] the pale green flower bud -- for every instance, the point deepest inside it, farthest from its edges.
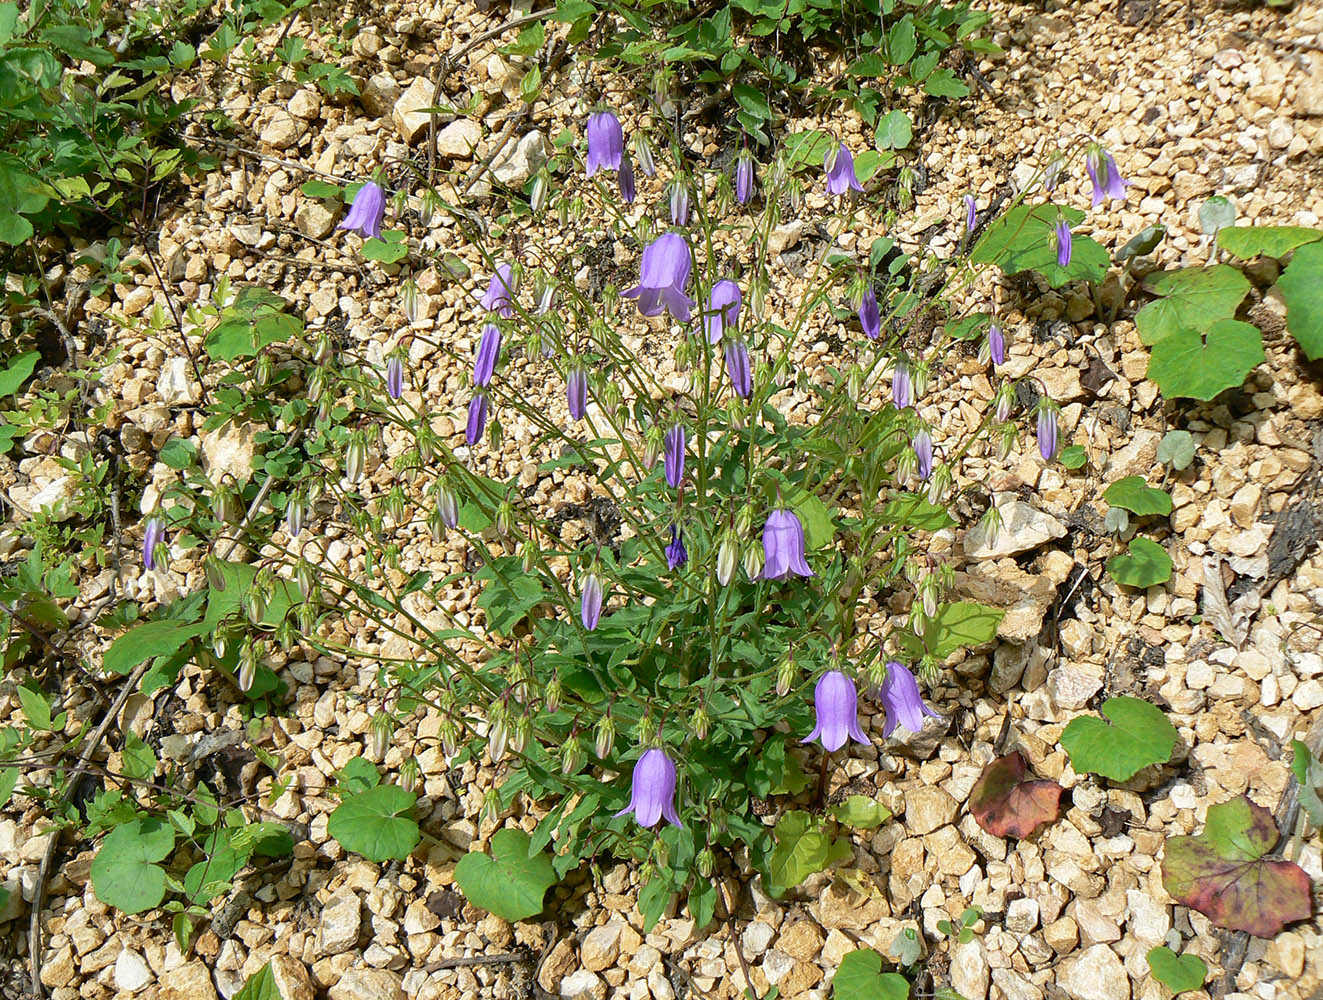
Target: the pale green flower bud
(701, 723)
(572, 757)
(786, 675)
(707, 862)
(753, 562)
(606, 737)
(383, 727)
(727, 558)
(355, 457)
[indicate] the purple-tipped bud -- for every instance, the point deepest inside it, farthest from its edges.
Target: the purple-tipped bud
(870, 316)
(840, 171)
(447, 506)
(489, 350)
(477, 418)
(902, 385)
(673, 450)
(1056, 167)
(394, 377)
(1061, 234)
(996, 345)
(676, 553)
(1047, 432)
(837, 707)
(576, 392)
(679, 197)
(744, 177)
(626, 179)
(652, 794)
(1004, 403)
(153, 536)
(971, 213)
(366, 211)
(662, 278)
(783, 546)
(606, 142)
(738, 368)
(723, 309)
(590, 601)
(500, 291)
(1107, 180)
(900, 698)
(643, 150)
(923, 452)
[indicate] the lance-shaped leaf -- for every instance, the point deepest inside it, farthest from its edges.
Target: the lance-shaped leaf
(1225, 875)
(1004, 804)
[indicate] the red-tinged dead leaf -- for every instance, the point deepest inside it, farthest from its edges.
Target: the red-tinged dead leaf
(1005, 805)
(1223, 874)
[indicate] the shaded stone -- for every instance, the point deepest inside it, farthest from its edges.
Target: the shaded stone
(409, 118)
(519, 161)
(367, 984)
(341, 918)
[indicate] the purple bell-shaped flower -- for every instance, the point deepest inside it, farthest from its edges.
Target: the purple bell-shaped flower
(662, 278)
(840, 171)
(783, 546)
(673, 451)
(738, 368)
(837, 706)
(489, 350)
(676, 553)
(900, 697)
(500, 291)
(1107, 180)
(606, 142)
(870, 316)
(652, 794)
(366, 211)
(723, 309)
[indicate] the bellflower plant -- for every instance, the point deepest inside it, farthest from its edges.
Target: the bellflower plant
(836, 702)
(1061, 236)
(720, 615)
(1107, 180)
(152, 537)
(366, 211)
(971, 213)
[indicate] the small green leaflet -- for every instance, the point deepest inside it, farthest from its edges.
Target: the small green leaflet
(1176, 972)
(1248, 242)
(261, 985)
(1138, 735)
(1134, 495)
(860, 977)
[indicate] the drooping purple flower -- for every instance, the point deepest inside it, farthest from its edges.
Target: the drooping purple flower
(971, 213)
(652, 794)
(152, 536)
(783, 546)
(923, 451)
(626, 179)
(366, 211)
(606, 142)
(1048, 432)
(662, 278)
(996, 345)
(1107, 180)
(744, 177)
(394, 377)
(590, 601)
(1052, 174)
(489, 350)
(738, 368)
(723, 309)
(900, 698)
(836, 703)
(870, 316)
(673, 448)
(679, 198)
(840, 171)
(676, 553)
(576, 392)
(1061, 234)
(902, 385)
(477, 418)
(500, 291)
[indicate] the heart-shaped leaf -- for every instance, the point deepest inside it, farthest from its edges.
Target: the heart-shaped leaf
(376, 823)
(1247, 242)
(1302, 290)
(860, 977)
(1177, 972)
(1138, 497)
(124, 873)
(1145, 565)
(862, 812)
(1023, 240)
(1004, 804)
(1139, 735)
(507, 882)
(1194, 366)
(1224, 874)
(1192, 299)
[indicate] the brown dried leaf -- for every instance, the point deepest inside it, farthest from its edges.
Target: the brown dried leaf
(1005, 805)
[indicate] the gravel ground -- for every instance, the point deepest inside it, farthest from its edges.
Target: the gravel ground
(1194, 100)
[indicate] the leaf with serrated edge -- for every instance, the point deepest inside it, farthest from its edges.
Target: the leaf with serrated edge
(1139, 735)
(1224, 874)
(1004, 804)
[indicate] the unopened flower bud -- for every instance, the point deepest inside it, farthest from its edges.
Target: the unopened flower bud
(652, 444)
(491, 807)
(383, 726)
(752, 562)
(355, 457)
(537, 199)
(522, 729)
(552, 695)
(786, 673)
(645, 730)
(249, 654)
(854, 382)
(1005, 396)
(264, 370)
(449, 734)
(727, 558)
(529, 556)
(409, 299)
(605, 738)
(701, 723)
(707, 862)
(499, 734)
(928, 594)
(939, 484)
(410, 772)
(504, 518)
(572, 757)
(215, 576)
(920, 375)
(305, 578)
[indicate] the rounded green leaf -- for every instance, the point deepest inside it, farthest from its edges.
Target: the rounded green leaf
(1302, 289)
(860, 977)
(1199, 367)
(507, 882)
(1247, 242)
(124, 873)
(861, 811)
(1176, 449)
(1177, 972)
(1134, 495)
(1146, 564)
(895, 130)
(1216, 213)
(1073, 457)
(1138, 735)
(1192, 299)
(1022, 240)
(376, 823)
